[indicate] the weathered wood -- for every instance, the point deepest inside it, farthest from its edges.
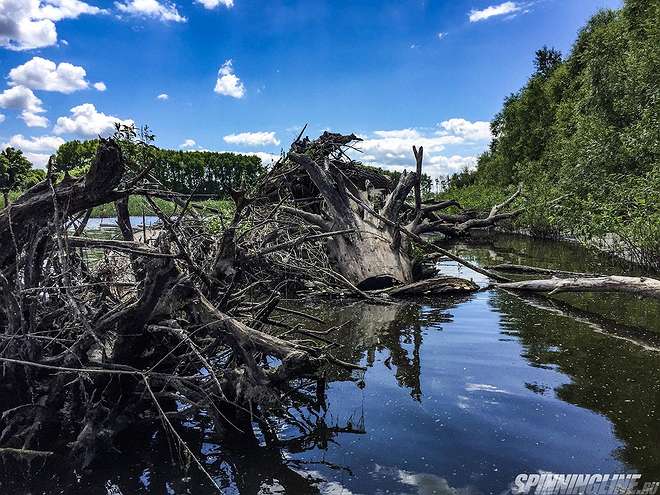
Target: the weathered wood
(639, 286)
(433, 286)
(372, 257)
(132, 247)
(34, 208)
(460, 225)
(510, 268)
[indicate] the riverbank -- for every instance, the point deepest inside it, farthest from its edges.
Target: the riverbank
(581, 136)
(622, 221)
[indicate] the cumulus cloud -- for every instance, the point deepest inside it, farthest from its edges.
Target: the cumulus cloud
(211, 4)
(166, 12)
(32, 119)
(24, 100)
(44, 74)
(397, 144)
(471, 131)
(163, 96)
(493, 11)
(392, 149)
(252, 139)
(85, 120)
(228, 83)
(450, 164)
(188, 143)
(40, 144)
(35, 149)
(266, 158)
(30, 24)
(100, 86)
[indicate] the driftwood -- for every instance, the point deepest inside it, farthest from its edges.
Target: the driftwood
(510, 268)
(433, 286)
(456, 225)
(640, 286)
(107, 337)
(35, 208)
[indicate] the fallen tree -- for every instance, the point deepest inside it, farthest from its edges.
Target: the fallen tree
(639, 286)
(378, 253)
(102, 338)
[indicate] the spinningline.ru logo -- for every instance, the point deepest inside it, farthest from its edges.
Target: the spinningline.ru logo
(579, 484)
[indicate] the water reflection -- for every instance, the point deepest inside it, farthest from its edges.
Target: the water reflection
(615, 379)
(460, 395)
(505, 384)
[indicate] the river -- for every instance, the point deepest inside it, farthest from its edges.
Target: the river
(460, 395)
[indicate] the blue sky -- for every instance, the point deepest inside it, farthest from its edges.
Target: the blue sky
(243, 75)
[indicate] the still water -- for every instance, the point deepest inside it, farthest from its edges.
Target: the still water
(460, 395)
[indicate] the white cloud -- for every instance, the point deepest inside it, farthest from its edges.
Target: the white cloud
(87, 121)
(24, 100)
(188, 143)
(471, 131)
(163, 96)
(100, 86)
(166, 12)
(211, 4)
(34, 120)
(56, 10)
(20, 98)
(392, 149)
(229, 83)
(266, 158)
(493, 11)
(41, 73)
(399, 134)
(450, 164)
(252, 139)
(40, 144)
(29, 24)
(397, 144)
(2, 118)
(35, 149)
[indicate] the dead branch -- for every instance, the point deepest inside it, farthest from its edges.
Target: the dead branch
(639, 286)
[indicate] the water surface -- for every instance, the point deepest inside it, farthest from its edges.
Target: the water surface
(460, 395)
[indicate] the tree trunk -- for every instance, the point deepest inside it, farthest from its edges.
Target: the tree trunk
(35, 207)
(368, 257)
(640, 286)
(374, 256)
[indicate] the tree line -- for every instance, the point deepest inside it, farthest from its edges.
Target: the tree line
(188, 172)
(583, 137)
(202, 173)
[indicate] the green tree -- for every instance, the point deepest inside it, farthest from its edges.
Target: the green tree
(75, 156)
(14, 170)
(585, 129)
(546, 61)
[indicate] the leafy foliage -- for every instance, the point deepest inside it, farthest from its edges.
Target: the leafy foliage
(14, 171)
(200, 172)
(583, 137)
